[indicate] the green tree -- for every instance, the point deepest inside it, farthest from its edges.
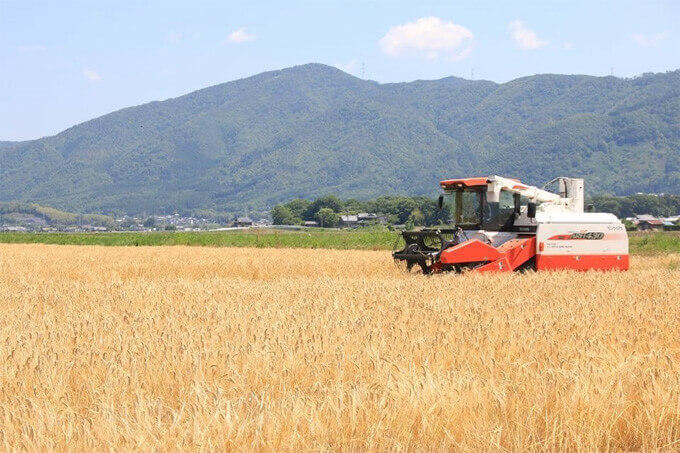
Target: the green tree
(329, 201)
(404, 206)
(416, 218)
(629, 225)
(298, 207)
(326, 217)
(282, 215)
(150, 222)
(607, 204)
(354, 205)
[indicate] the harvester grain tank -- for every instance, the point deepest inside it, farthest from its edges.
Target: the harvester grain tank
(500, 225)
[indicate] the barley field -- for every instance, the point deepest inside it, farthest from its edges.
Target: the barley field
(186, 348)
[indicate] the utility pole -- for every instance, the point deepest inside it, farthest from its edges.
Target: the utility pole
(472, 74)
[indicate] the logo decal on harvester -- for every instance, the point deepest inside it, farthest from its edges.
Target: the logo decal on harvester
(595, 235)
(592, 235)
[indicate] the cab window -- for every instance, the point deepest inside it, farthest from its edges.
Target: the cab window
(499, 215)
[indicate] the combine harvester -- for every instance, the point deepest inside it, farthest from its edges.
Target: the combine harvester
(502, 225)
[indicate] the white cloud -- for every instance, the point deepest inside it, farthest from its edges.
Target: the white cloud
(568, 45)
(523, 37)
(649, 40)
(92, 75)
(239, 36)
(428, 36)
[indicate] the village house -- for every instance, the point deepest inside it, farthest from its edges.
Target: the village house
(244, 222)
(349, 220)
(367, 216)
(647, 222)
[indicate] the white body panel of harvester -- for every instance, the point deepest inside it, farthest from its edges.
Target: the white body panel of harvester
(581, 241)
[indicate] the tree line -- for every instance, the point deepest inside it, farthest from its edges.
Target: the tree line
(632, 205)
(412, 211)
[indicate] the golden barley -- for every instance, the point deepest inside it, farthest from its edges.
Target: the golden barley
(172, 348)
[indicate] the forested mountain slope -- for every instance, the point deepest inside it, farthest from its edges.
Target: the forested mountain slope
(313, 130)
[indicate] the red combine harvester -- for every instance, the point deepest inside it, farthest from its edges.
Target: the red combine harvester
(502, 225)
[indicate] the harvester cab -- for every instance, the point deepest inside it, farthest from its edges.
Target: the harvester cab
(499, 224)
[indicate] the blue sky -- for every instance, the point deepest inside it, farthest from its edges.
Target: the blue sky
(69, 61)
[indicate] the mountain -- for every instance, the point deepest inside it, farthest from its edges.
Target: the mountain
(312, 130)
